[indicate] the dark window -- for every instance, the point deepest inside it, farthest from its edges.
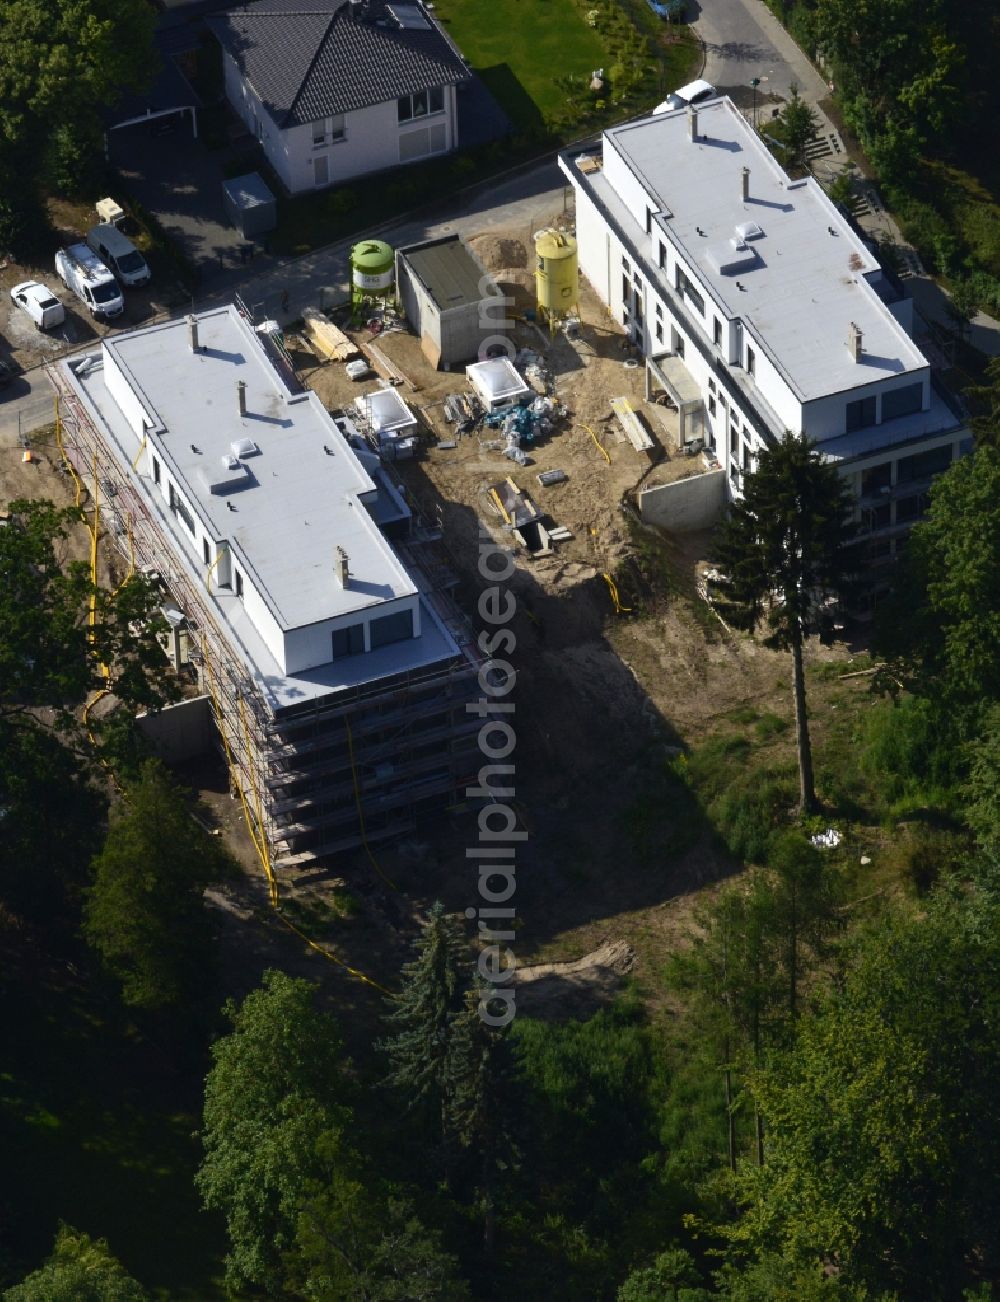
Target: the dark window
(689, 292)
(860, 414)
(659, 332)
(391, 628)
(205, 550)
(419, 104)
(875, 479)
(734, 443)
(878, 517)
(711, 385)
(663, 254)
(239, 584)
(717, 332)
(659, 309)
(625, 266)
(711, 406)
(746, 456)
(649, 221)
(156, 471)
(751, 360)
(910, 508)
(626, 290)
(902, 402)
(181, 511)
(349, 641)
(923, 465)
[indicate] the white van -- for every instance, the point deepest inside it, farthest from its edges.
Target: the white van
(119, 253)
(81, 270)
(693, 93)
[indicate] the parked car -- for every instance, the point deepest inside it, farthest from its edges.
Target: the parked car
(119, 254)
(693, 93)
(40, 304)
(81, 270)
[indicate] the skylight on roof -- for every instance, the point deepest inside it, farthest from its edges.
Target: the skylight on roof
(409, 17)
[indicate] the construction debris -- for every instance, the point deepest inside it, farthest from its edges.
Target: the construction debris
(549, 477)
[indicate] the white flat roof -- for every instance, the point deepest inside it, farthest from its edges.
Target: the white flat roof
(807, 283)
(306, 484)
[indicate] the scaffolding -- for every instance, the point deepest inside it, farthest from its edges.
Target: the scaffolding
(341, 771)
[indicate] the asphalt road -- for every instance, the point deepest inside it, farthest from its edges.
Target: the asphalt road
(742, 40)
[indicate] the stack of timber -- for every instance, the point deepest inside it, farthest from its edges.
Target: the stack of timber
(328, 340)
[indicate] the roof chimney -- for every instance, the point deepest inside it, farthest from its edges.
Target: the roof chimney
(241, 396)
(854, 337)
(192, 324)
(692, 122)
(745, 184)
(340, 567)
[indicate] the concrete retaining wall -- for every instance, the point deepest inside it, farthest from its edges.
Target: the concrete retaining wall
(180, 732)
(687, 504)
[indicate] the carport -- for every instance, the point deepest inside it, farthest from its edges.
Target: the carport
(170, 94)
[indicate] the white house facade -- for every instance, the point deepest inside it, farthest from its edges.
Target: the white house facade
(714, 260)
(366, 88)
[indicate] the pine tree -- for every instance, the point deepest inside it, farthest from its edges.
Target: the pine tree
(424, 1013)
(783, 552)
(480, 1102)
(145, 912)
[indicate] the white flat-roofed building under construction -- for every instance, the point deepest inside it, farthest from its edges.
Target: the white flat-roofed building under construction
(316, 609)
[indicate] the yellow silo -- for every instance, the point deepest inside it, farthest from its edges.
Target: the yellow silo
(556, 275)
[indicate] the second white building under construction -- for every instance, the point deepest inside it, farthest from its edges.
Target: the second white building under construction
(338, 665)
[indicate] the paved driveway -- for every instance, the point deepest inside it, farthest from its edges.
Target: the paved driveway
(179, 181)
(743, 39)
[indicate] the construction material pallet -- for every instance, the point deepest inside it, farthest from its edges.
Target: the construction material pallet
(631, 424)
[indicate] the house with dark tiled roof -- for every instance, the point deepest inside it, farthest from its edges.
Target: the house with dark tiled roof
(333, 89)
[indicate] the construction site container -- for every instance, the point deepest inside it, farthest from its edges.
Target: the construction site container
(250, 205)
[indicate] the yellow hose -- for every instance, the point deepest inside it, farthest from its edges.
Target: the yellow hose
(598, 444)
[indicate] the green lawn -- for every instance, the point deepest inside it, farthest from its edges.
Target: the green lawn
(519, 47)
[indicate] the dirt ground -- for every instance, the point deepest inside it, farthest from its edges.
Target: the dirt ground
(601, 697)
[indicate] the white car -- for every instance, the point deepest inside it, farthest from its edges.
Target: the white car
(40, 304)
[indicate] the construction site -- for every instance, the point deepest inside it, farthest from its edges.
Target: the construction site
(354, 771)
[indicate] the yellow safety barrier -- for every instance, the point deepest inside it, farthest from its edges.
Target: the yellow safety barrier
(257, 836)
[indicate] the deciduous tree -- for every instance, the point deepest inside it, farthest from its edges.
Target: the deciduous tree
(80, 1269)
(275, 1116)
(783, 552)
(941, 630)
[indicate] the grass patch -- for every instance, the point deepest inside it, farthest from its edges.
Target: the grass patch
(522, 51)
(770, 725)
